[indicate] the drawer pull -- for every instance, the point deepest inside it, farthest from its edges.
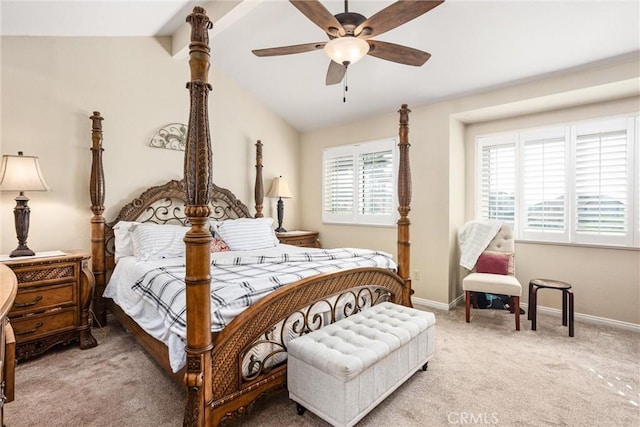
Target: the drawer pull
(27, 304)
(28, 331)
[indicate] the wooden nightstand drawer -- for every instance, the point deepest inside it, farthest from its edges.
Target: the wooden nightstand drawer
(35, 299)
(301, 241)
(32, 327)
(307, 239)
(43, 274)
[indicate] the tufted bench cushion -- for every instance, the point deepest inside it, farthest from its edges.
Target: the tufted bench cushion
(342, 371)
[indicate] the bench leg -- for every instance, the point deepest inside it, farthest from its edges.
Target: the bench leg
(300, 409)
(467, 304)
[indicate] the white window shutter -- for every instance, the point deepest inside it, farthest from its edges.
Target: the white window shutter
(544, 184)
(338, 185)
(497, 179)
(375, 183)
(574, 183)
(359, 183)
(603, 183)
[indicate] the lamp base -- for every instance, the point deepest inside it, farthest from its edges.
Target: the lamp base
(280, 228)
(21, 216)
(21, 250)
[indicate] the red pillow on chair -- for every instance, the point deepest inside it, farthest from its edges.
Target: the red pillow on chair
(495, 263)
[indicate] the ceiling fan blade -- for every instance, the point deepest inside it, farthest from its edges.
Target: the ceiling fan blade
(393, 16)
(288, 50)
(335, 73)
(319, 15)
(397, 53)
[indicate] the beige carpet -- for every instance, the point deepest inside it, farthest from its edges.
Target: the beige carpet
(483, 373)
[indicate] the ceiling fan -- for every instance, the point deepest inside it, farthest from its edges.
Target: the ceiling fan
(350, 35)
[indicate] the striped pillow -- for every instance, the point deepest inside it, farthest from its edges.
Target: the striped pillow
(245, 234)
(156, 241)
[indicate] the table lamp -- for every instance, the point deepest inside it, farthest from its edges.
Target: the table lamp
(280, 189)
(21, 173)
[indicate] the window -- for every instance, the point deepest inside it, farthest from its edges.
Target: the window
(576, 183)
(498, 179)
(359, 183)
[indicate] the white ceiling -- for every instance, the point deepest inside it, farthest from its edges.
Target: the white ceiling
(475, 46)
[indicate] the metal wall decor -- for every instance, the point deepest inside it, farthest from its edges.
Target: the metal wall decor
(172, 137)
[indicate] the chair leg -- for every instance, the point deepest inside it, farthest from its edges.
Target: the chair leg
(515, 302)
(467, 304)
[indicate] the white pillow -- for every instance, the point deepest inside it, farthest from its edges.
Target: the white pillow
(155, 241)
(122, 242)
(245, 234)
(213, 228)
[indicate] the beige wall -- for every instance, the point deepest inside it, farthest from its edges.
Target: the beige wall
(442, 173)
(50, 87)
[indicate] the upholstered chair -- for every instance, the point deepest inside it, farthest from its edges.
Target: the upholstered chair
(494, 273)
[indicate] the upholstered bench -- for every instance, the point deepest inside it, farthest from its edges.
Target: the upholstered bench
(342, 371)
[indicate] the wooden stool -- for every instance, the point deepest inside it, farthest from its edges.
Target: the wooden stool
(567, 300)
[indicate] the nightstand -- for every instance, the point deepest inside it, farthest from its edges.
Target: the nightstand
(52, 304)
(307, 239)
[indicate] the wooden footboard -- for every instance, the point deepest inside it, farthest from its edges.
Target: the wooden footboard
(332, 296)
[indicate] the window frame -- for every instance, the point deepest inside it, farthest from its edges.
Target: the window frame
(357, 150)
(570, 234)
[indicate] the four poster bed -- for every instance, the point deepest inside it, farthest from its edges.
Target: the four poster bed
(228, 369)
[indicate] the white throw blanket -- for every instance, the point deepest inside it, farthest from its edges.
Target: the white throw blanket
(474, 237)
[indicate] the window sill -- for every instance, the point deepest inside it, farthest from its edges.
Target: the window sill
(579, 245)
(352, 224)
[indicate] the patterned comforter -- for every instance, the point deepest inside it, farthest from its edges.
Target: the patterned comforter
(238, 282)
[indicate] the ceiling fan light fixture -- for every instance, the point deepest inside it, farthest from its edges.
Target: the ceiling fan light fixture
(346, 49)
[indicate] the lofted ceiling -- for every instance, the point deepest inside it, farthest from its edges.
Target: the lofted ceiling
(475, 46)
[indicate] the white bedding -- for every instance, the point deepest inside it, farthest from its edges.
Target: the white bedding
(145, 312)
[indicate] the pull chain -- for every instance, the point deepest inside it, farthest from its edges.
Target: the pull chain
(345, 86)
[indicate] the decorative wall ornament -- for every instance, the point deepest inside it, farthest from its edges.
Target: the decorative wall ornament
(172, 137)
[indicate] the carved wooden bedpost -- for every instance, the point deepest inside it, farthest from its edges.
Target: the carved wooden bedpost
(96, 190)
(259, 188)
(404, 205)
(198, 171)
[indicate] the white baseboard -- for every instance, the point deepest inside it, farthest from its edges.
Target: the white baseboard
(587, 318)
(435, 304)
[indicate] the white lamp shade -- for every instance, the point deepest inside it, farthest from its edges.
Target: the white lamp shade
(21, 173)
(347, 49)
(280, 188)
